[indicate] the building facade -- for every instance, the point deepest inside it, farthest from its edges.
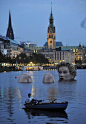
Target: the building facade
(79, 54)
(58, 55)
(5, 46)
(15, 48)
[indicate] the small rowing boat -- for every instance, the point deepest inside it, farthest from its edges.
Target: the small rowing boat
(47, 106)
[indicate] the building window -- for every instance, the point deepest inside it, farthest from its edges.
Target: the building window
(50, 31)
(50, 36)
(63, 55)
(55, 55)
(60, 55)
(74, 50)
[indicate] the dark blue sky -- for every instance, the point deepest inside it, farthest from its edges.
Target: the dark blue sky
(30, 20)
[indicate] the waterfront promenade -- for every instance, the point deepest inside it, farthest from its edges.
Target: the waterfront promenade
(43, 68)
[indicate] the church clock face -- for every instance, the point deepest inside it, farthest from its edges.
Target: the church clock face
(50, 42)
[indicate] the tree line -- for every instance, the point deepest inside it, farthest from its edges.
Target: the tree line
(23, 58)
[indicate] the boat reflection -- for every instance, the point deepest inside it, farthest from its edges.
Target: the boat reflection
(59, 114)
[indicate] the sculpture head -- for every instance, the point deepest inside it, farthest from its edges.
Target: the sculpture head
(48, 78)
(25, 78)
(66, 70)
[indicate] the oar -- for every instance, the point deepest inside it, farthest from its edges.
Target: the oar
(54, 100)
(40, 100)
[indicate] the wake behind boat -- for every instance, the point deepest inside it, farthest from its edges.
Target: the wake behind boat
(47, 106)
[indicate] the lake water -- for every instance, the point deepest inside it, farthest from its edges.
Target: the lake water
(14, 94)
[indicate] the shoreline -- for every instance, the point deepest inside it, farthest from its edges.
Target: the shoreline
(8, 69)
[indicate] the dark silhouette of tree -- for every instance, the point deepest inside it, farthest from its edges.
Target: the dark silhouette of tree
(1, 57)
(78, 61)
(23, 58)
(38, 58)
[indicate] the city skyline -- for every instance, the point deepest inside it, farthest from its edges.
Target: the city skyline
(30, 20)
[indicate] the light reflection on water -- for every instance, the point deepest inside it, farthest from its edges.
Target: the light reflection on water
(13, 95)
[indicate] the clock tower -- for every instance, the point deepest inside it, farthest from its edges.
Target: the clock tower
(51, 35)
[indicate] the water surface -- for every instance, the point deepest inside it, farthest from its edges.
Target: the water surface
(14, 94)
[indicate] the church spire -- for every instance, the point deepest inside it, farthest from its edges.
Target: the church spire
(9, 29)
(51, 16)
(51, 7)
(9, 19)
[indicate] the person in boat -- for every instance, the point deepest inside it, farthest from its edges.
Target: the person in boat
(48, 78)
(30, 100)
(67, 71)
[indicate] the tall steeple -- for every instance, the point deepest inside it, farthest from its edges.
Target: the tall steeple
(10, 33)
(10, 19)
(51, 17)
(51, 35)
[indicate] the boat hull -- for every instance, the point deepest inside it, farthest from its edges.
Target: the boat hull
(48, 106)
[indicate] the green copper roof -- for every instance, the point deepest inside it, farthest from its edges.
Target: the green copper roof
(14, 42)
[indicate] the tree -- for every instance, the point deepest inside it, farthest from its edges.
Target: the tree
(78, 61)
(38, 58)
(1, 57)
(23, 58)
